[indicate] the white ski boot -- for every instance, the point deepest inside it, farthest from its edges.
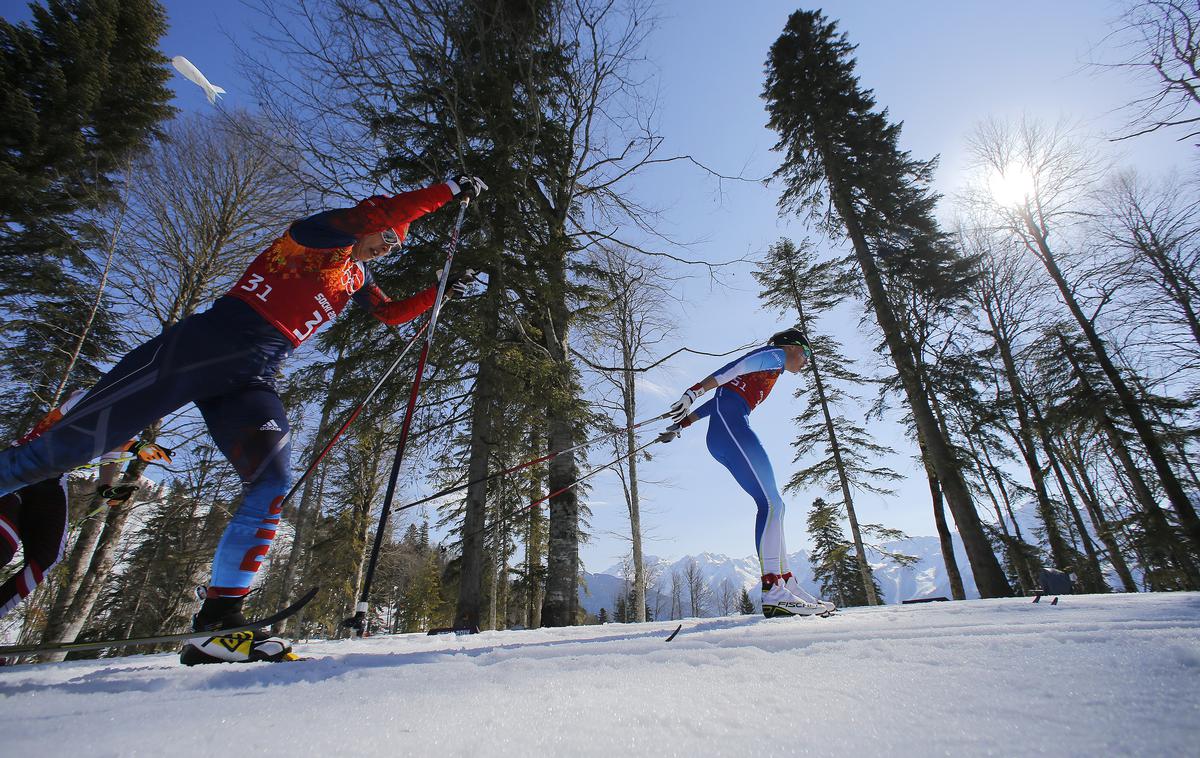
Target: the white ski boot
(793, 586)
(778, 601)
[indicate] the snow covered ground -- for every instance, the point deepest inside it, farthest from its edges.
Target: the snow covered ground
(1091, 676)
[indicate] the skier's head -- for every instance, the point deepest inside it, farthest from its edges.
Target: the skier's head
(795, 344)
(383, 237)
(374, 244)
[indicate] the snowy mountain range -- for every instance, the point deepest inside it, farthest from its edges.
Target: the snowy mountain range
(925, 578)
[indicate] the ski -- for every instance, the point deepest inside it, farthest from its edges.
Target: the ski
(52, 647)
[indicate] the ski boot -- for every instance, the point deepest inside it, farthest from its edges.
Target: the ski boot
(778, 601)
(793, 586)
(219, 613)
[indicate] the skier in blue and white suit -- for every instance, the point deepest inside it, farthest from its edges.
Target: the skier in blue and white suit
(741, 385)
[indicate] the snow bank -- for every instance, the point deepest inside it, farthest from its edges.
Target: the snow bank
(1094, 675)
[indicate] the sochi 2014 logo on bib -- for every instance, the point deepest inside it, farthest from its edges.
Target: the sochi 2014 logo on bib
(353, 277)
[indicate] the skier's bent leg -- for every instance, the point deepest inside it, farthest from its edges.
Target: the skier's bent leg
(144, 386)
(735, 445)
(251, 429)
(41, 532)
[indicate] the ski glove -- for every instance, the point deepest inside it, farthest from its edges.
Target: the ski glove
(671, 432)
(150, 451)
(683, 406)
(116, 494)
(468, 186)
(460, 285)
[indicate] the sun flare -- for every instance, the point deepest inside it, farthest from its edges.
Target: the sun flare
(1011, 186)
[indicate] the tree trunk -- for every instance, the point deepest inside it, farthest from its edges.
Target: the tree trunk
(1025, 444)
(629, 396)
(562, 566)
(101, 564)
(86, 328)
(1091, 576)
(989, 578)
(468, 610)
(945, 539)
(1083, 485)
(860, 553)
(1162, 466)
(1011, 549)
(533, 543)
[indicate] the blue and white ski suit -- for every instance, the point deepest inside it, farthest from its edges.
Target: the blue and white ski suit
(743, 384)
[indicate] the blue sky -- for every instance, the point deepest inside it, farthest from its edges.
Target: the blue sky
(938, 66)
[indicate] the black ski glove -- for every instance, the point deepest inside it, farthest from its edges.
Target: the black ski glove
(116, 494)
(470, 186)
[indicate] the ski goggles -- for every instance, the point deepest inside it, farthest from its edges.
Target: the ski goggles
(391, 239)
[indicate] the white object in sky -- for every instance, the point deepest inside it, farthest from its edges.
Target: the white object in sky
(185, 67)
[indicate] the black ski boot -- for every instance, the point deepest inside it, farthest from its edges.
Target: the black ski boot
(219, 613)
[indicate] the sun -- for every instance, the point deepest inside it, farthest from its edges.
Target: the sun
(1011, 186)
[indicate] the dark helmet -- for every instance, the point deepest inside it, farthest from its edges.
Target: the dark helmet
(791, 336)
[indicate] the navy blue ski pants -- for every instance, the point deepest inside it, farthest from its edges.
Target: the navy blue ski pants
(224, 360)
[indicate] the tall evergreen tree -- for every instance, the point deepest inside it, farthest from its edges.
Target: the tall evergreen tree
(843, 164)
(794, 282)
(83, 87)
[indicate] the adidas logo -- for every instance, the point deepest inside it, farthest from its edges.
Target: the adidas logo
(270, 426)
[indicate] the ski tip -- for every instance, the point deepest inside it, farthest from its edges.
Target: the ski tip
(674, 633)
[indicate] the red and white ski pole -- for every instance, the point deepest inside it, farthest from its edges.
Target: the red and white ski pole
(525, 465)
(312, 466)
(565, 488)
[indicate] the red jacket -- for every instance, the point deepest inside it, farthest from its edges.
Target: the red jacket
(306, 277)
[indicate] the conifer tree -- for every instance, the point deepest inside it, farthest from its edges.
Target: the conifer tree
(745, 604)
(834, 565)
(843, 165)
(83, 88)
(424, 606)
(794, 282)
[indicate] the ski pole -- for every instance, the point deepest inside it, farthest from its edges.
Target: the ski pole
(312, 466)
(563, 489)
(525, 465)
(358, 621)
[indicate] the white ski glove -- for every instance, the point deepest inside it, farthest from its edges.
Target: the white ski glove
(471, 186)
(670, 433)
(683, 406)
(460, 285)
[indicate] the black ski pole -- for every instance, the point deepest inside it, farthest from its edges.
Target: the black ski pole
(359, 621)
(525, 465)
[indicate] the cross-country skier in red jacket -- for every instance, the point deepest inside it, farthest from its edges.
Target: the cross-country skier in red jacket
(225, 361)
